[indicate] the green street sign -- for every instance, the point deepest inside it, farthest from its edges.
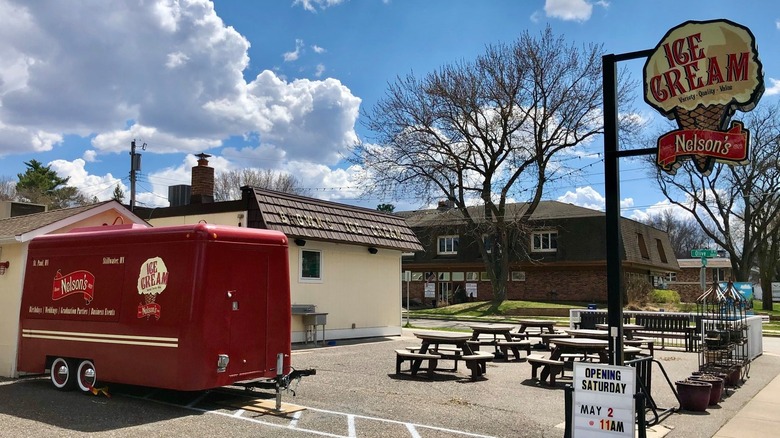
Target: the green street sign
(704, 253)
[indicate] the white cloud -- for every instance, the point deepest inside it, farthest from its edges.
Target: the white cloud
(319, 70)
(293, 56)
(317, 49)
(89, 156)
(312, 5)
(774, 87)
(100, 187)
(170, 73)
(588, 197)
(570, 10)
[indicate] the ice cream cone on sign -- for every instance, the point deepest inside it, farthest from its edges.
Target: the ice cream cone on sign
(149, 298)
(711, 117)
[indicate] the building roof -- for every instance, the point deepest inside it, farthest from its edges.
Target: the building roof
(545, 210)
(22, 228)
(309, 218)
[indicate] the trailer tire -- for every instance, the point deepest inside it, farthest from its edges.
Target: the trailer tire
(62, 374)
(86, 376)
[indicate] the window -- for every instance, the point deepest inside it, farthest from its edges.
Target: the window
(472, 276)
(661, 251)
(720, 274)
(483, 276)
(448, 244)
(642, 247)
(518, 275)
(487, 240)
(457, 276)
(671, 276)
(311, 265)
(544, 241)
(417, 276)
(444, 276)
(445, 291)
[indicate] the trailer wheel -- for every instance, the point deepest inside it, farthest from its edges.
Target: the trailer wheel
(87, 376)
(62, 374)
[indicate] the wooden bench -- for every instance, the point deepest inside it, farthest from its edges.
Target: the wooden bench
(667, 326)
(447, 353)
(555, 367)
(477, 363)
(402, 356)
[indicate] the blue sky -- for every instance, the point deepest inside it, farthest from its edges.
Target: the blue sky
(280, 84)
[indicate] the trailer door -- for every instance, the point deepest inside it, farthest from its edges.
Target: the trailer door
(246, 283)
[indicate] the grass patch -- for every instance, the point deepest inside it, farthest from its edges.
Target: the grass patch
(488, 308)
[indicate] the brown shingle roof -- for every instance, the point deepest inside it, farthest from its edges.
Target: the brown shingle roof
(303, 217)
(545, 210)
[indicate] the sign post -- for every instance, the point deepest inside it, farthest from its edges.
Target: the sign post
(704, 254)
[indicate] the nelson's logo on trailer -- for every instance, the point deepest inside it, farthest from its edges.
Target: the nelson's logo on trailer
(152, 281)
(76, 282)
(700, 74)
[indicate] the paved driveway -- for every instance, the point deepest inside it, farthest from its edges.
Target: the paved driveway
(355, 393)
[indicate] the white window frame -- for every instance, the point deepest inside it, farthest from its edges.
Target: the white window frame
(417, 276)
(303, 279)
(542, 234)
(472, 276)
(458, 276)
(453, 244)
(518, 275)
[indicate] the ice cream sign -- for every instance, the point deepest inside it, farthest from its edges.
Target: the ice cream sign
(152, 281)
(700, 74)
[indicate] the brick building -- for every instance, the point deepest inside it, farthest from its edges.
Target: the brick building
(562, 256)
(687, 282)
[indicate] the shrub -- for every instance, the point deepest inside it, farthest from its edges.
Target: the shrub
(665, 296)
(638, 291)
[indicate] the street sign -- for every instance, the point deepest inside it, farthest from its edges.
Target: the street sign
(704, 253)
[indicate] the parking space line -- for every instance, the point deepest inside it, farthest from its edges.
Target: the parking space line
(239, 413)
(351, 426)
(294, 422)
(412, 430)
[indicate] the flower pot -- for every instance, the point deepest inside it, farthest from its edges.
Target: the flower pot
(734, 376)
(716, 392)
(693, 395)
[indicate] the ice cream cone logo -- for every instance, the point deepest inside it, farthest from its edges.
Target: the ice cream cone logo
(700, 74)
(152, 281)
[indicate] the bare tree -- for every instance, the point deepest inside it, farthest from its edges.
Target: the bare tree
(227, 185)
(487, 132)
(737, 206)
(7, 189)
(684, 234)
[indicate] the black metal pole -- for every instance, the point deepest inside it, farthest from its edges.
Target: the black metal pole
(612, 197)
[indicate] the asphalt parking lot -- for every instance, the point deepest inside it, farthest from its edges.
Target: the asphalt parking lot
(357, 394)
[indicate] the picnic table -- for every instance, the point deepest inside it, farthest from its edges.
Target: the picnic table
(543, 325)
(500, 337)
(432, 341)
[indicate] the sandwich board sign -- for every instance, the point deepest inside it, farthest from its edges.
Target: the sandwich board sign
(603, 400)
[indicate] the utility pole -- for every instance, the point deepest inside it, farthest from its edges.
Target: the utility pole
(135, 166)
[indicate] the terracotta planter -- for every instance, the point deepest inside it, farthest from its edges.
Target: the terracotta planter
(716, 392)
(693, 395)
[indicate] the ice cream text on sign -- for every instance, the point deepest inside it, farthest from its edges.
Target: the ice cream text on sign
(700, 73)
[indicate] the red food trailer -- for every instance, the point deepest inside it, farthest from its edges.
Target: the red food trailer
(186, 308)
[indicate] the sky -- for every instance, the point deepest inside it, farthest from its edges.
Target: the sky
(280, 84)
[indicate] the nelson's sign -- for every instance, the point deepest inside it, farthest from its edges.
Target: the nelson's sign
(700, 74)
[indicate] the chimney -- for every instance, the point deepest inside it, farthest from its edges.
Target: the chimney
(202, 181)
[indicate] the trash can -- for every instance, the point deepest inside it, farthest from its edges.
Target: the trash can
(591, 306)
